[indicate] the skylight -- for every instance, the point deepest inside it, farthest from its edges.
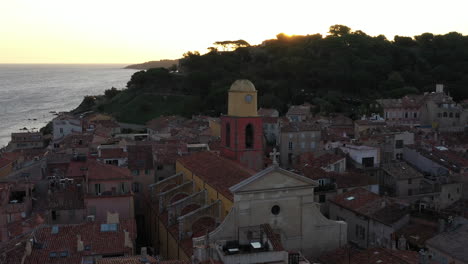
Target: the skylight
(350, 198)
(256, 245)
(55, 229)
(108, 227)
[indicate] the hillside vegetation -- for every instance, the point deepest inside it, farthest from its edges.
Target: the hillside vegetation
(344, 71)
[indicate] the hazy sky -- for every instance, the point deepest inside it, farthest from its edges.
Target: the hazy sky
(102, 31)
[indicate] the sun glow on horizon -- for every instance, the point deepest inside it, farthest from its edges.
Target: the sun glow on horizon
(53, 31)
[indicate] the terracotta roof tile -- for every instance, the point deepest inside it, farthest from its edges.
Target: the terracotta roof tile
(140, 157)
(98, 242)
(371, 255)
(129, 260)
(108, 153)
(218, 172)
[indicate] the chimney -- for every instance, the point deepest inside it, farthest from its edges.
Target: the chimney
(28, 248)
(79, 244)
(441, 226)
(422, 257)
(128, 241)
(439, 88)
(112, 218)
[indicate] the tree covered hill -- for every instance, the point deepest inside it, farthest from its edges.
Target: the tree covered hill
(344, 71)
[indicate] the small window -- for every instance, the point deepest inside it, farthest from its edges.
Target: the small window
(249, 136)
(321, 198)
(451, 115)
(160, 167)
(290, 145)
(445, 114)
(275, 210)
(53, 254)
(147, 172)
(410, 181)
(64, 254)
(410, 192)
(136, 187)
(399, 144)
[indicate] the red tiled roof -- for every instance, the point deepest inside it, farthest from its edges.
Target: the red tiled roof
(266, 112)
(107, 153)
(371, 255)
(362, 197)
(140, 157)
(129, 260)
(100, 243)
(77, 140)
(220, 173)
(367, 203)
(308, 159)
(4, 162)
(96, 170)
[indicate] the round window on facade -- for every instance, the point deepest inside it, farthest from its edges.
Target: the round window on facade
(275, 210)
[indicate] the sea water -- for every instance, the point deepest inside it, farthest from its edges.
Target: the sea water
(29, 93)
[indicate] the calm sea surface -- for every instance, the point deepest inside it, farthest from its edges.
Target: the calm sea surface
(29, 92)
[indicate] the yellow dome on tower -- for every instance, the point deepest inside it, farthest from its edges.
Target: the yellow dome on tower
(242, 100)
(243, 86)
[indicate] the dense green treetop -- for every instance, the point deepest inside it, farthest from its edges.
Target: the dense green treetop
(344, 71)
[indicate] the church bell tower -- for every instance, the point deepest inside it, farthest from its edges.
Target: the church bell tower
(241, 128)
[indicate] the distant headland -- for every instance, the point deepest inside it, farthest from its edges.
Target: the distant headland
(153, 64)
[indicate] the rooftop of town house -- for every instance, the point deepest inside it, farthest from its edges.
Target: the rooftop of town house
(218, 172)
(140, 157)
(453, 241)
(310, 159)
(299, 110)
(112, 153)
(401, 170)
(97, 171)
(364, 202)
(372, 255)
(26, 137)
(54, 244)
(267, 112)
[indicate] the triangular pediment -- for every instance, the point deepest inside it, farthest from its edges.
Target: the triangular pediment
(273, 178)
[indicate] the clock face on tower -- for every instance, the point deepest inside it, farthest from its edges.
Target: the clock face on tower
(248, 98)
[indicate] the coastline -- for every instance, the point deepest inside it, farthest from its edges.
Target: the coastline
(28, 100)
